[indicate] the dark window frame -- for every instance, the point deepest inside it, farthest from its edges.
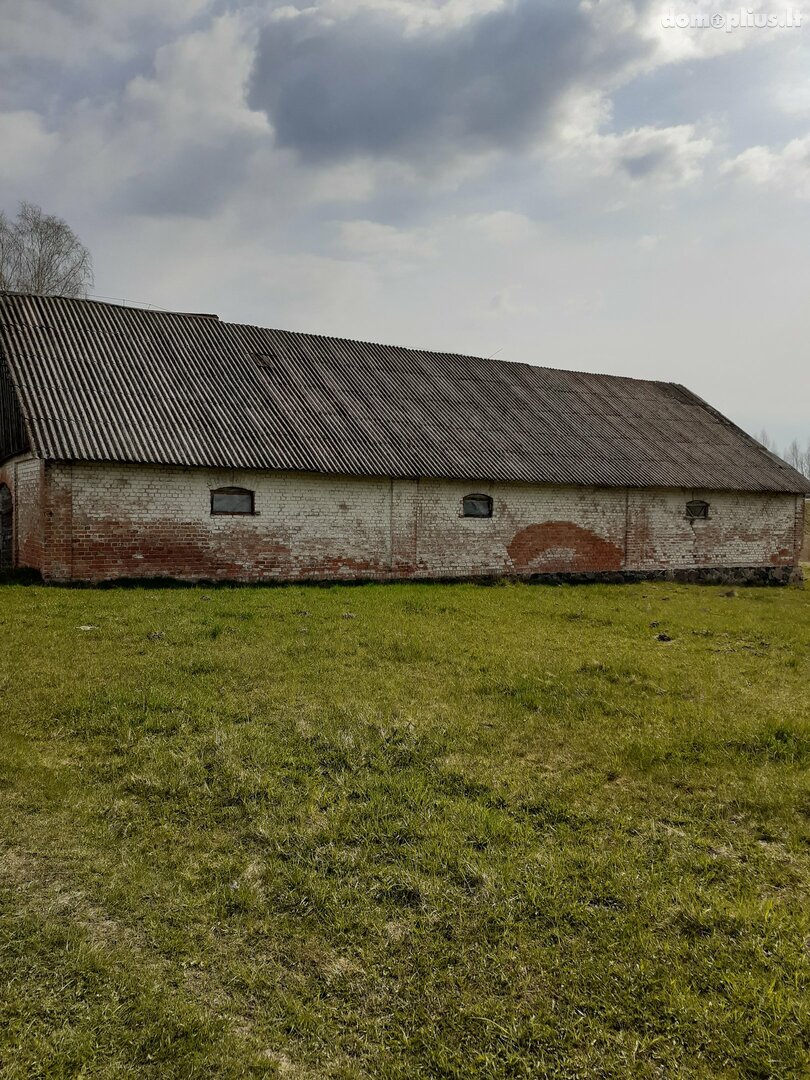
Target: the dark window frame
(697, 510)
(233, 491)
(479, 497)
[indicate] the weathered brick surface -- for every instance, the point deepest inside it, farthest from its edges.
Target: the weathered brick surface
(57, 524)
(742, 530)
(102, 522)
(23, 477)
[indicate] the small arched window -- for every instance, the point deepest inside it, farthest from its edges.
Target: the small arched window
(232, 500)
(478, 506)
(697, 510)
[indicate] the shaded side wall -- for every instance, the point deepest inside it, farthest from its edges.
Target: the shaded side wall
(107, 521)
(24, 478)
(13, 439)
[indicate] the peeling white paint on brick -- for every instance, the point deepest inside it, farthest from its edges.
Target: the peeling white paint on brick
(94, 522)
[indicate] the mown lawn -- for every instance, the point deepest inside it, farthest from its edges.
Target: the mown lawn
(405, 831)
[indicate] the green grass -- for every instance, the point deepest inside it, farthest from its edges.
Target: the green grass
(404, 831)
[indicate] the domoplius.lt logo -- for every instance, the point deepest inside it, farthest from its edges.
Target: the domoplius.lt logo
(742, 19)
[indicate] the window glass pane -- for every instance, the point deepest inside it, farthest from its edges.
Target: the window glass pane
(232, 502)
(697, 509)
(477, 506)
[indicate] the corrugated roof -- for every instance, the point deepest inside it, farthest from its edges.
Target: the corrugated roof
(103, 382)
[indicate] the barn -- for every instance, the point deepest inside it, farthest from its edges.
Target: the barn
(138, 443)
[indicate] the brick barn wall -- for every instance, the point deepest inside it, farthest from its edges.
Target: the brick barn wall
(105, 521)
(532, 529)
(23, 477)
(156, 522)
(805, 554)
(742, 530)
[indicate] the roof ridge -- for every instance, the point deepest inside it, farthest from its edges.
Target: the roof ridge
(334, 338)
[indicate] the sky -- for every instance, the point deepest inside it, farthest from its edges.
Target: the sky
(589, 185)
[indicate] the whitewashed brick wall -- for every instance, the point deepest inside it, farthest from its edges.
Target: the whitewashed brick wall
(150, 521)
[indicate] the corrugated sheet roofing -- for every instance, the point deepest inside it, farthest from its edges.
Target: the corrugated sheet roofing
(103, 382)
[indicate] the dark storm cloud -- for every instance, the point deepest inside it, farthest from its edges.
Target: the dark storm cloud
(363, 86)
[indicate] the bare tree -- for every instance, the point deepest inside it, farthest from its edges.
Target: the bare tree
(40, 253)
(804, 461)
(793, 454)
(798, 458)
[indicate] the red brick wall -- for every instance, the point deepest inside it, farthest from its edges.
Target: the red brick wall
(57, 522)
(23, 477)
(102, 522)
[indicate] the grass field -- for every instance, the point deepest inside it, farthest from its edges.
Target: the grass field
(405, 831)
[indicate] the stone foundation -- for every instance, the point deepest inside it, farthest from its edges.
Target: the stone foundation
(750, 576)
(706, 575)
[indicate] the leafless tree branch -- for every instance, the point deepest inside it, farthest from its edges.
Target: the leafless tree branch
(792, 454)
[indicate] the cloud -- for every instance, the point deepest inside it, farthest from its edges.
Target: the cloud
(375, 240)
(70, 32)
(504, 228)
(32, 144)
(644, 155)
(670, 156)
(193, 133)
(786, 170)
(198, 82)
(176, 139)
(56, 52)
(413, 15)
(365, 83)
